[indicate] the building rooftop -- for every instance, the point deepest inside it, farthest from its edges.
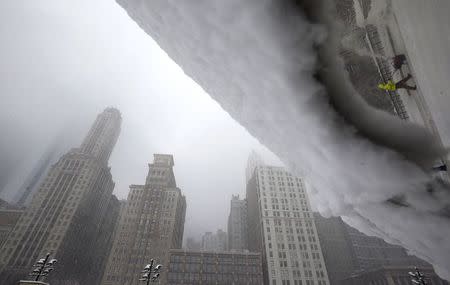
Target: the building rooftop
(184, 251)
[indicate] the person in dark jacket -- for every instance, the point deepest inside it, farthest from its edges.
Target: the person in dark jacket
(398, 61)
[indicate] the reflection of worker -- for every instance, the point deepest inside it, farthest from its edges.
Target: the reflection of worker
(398, 61)
(391, 86)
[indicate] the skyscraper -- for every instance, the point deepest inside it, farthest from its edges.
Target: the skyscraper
(9, 163)
(253, 161)
(104, 240)
(31, 184)
(103, 135)
(193, 245)
(215, 241)
(66, 213)
(348, 251)
(281, 227)
(237, 224)
(151, 222)
(337, 249)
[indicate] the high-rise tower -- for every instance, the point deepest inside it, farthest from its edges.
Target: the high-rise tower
(348, 251)
(103, 135)
(215, 241)
(281, 227)
(237, 224)
(31, 184)
(151, 222)
(65, 216)
(252, 162)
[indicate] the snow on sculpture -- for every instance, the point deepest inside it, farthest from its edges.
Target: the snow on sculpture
(260, 60)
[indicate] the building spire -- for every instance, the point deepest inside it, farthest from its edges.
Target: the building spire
(254, 160)
(103, 135)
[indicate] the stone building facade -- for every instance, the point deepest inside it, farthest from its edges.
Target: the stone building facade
(392, 275)
(237, 225)
(66, 215)
(151, 222)
(8, 219)
(220, 268)
(217, 241)
(281, 226)
(347, 251)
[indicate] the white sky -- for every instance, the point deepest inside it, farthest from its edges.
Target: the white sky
(63, 62)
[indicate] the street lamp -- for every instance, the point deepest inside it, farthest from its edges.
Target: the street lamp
(417, 277)
(150, 273)
(43, 267)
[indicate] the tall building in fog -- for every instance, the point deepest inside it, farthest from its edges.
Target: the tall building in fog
(105, 240)
(253, 161)
(66, 215)
(31, 185)
(340, 259)
(347, 251)
(102, 136)
(237, 224)
(8, 164)
(215, 241)
(151, 222)
(193, 244)
(281, 227)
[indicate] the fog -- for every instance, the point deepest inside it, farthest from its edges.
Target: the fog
(63, 62)
(260, 61)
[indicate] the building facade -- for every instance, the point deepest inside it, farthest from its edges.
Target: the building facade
(99, 142)
(372, 252)
(105, 240)
(348, 251)
(392, 275)
(220, 268)
(151, 222)
(237, 225)
(193, 244)
(215, 241)
(32, 182)
(65, 215)
(281, 226)
(8, 219)
(337, 249)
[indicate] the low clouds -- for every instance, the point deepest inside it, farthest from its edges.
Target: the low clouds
(63, 62)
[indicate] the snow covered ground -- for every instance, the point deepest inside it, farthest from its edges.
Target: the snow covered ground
(257, 59)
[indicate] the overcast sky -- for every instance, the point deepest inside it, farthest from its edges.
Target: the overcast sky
(63, 62)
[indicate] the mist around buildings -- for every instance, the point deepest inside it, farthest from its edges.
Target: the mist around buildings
(246, 142)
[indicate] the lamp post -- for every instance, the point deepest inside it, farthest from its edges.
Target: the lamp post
(150, 273)
(43, 267)
(417, 277)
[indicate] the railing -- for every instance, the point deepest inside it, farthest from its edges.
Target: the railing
(384, 68)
